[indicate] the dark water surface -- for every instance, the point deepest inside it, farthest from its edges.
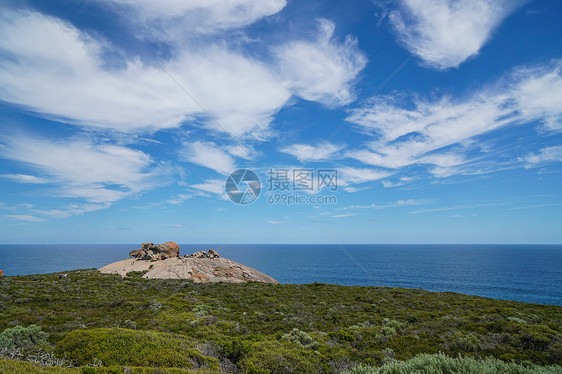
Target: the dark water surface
(530, 273)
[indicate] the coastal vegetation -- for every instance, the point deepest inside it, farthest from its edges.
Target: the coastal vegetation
(102, 323)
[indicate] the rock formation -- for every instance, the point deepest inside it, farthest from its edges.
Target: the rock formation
(152, 252)
(202, 254)
(163, 261)
(1, 273)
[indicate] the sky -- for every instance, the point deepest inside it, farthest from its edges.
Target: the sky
(390, 121)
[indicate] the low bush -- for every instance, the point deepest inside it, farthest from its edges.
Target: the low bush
(280, 357)
(21, 337)
(18, 367)
(301, 338)
(116, 346)
(443, 364)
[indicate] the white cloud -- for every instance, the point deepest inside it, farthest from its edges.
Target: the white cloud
(538, 93)
(400, 182)
(394, 204)
(40, 52)
(305, 152)
(321, 70)
(24, 178)
(215, 186)
(98, 173)
(344, 215)
(546, 154)
(444, 33)
(242, 151)
(410, 130)
(276, 222)
(200, 16)
(207, 154)
(23, 217)
(72, 210)
(349, 175)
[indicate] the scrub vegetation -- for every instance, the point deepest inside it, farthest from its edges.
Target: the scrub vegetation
(99, 323)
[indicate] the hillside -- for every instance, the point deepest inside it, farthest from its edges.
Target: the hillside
(119, 324)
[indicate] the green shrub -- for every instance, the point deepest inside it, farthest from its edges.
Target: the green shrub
(275, 357)
(136, 348)
(20, 337)
(466, 342)
(443, 364)
(516, 320)
(301, 338)
(19, 367)
(137, 274)
(128, 324)
(396, 325)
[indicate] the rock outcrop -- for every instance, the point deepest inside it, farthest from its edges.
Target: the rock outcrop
(163, 261)
(1, 273)
(202, 254)
(152, 252)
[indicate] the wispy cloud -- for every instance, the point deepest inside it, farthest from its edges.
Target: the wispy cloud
(343, 215)
(394, 204)
(276, 222)
(306, 152)
(41, 52)
(165, 18)
(207, 154)
(24, 178)
(215, 186)
(407, 130)
(444, 33)
(546, 154)
(349, 175)
(461, 207)
(96, 172)
(321, 70)
(71, 210)
(23, 218)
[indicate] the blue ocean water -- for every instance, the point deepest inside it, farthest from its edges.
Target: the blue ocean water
(529, 273)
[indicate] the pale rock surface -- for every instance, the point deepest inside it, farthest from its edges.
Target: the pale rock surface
(199, 267)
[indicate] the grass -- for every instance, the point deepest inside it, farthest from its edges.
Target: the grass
(124, 323)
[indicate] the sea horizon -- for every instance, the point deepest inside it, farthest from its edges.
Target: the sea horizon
(518, 272)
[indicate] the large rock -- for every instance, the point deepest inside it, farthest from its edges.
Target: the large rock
(199, 267)
(151, 252)
(1, 273)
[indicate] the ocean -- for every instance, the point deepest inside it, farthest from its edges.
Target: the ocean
(529, 273)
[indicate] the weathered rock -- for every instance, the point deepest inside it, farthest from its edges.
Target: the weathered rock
(151, 252)
(1, 273)
(202, 254)
(136, 253)
(199, 254)
(199, 267)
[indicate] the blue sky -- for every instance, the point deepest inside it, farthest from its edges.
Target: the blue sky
(121, 120)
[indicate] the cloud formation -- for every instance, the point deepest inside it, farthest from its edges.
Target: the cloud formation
(321, 70)
(200, 16)
(97, 173)
(207, 154)
(546, 154)
(444, 33)
(306, 152)
(406, 130)
(41, 53)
